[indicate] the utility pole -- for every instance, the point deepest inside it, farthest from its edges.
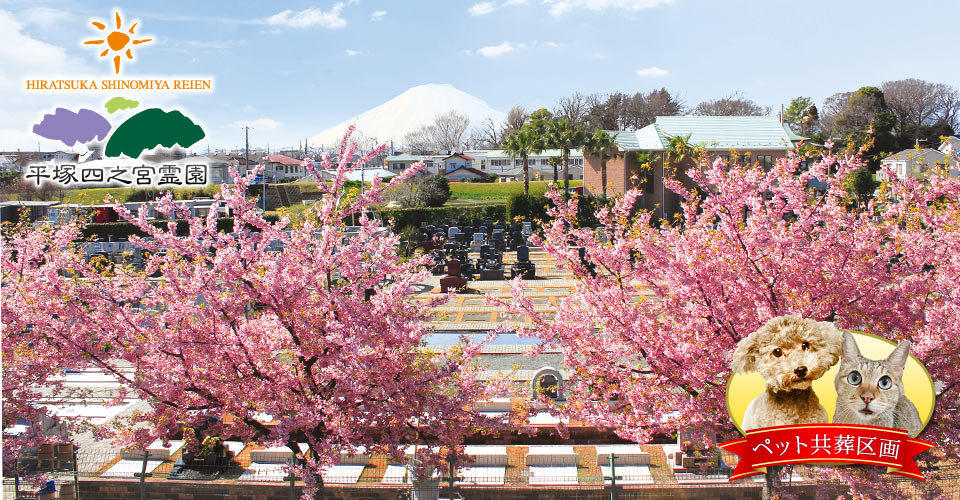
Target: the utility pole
(613, 477)
(246, 159)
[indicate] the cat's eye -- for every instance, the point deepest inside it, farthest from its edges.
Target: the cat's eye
(805, 346)
(884, 382)
(777, 352)
(854, 378)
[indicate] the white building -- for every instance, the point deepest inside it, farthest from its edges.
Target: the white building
(914, 162)
(498, 162)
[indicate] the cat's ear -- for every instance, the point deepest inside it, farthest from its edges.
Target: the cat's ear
(745, 355)
(850, 350)
(897, 359)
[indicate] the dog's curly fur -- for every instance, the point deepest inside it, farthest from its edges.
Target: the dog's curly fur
(790, 352)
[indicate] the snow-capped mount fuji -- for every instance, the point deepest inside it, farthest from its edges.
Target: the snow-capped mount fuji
(412, 109)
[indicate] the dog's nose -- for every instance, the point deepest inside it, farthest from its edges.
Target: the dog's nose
(867, 397)
(801, 371)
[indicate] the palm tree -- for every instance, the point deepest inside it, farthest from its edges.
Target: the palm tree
(523, 143)
(599, 142)
(680, 148)
(563, 136)
(555, 163)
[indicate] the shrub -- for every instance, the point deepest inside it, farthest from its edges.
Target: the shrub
(435, 191)
(586, 208)
(151, 193)
(528, 207)
(403, 218)
(116, 231)
(485, 179)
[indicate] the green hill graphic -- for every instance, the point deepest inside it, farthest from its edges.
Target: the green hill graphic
(151, 128)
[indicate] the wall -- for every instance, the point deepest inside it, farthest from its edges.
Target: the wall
(101, 489)
(660, 200)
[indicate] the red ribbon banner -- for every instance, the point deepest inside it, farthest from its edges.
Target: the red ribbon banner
(827, 444)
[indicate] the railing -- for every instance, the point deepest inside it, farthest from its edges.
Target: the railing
(109, 474)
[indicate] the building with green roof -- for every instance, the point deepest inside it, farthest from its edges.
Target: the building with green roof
(760, 139)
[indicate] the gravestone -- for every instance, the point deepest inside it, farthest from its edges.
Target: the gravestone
(452, 279)
(523, 267)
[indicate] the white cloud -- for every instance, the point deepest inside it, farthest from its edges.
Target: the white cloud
(212, 44)
(560, 7)
(482, 8)
(351, 52)
(498, 50)
(44, 16)
(21, 55)
(514, 2)
(262, 124)
(553, 45)
(313, 16)
(377, 15)
(652, 72)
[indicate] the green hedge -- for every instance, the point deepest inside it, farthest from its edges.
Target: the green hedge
(532, 207)
(407, 217)
(123, 230)
(527, 207)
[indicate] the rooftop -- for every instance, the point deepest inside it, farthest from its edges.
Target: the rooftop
(710, 132)
(283, 160)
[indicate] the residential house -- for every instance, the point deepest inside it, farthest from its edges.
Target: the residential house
(397, 163)
(456, 161)
(19, 160)
(240, 160)
(760, 139)
(218, 169)
(465, 174)
(913, 162)
(951, 146)
(282, 168)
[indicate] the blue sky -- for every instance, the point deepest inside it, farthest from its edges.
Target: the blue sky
(293, 69)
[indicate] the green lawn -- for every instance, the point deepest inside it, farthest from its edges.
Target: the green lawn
(96, 195)
(460, 192)
(496, 190)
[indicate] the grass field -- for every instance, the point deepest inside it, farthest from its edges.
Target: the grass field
(496, 190)
(460, 192)
(96, 195)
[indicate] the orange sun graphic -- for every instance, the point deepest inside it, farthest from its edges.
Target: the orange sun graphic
(116, 41)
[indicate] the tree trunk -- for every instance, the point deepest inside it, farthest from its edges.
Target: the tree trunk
(566, 175)
(526, 177)
(556, 175)
(603, 174)
(768, 485)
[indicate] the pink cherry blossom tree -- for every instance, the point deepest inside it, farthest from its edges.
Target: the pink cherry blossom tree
(651, 331)
(305, 322)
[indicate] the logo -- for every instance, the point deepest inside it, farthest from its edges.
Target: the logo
(120, 129)
(118, 41)
(806, 392)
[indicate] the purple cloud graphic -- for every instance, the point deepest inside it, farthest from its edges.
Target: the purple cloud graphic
(70, 128)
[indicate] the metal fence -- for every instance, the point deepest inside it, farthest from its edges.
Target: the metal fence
(109, 474)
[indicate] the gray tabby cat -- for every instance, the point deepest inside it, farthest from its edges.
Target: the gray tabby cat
(870, 392)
